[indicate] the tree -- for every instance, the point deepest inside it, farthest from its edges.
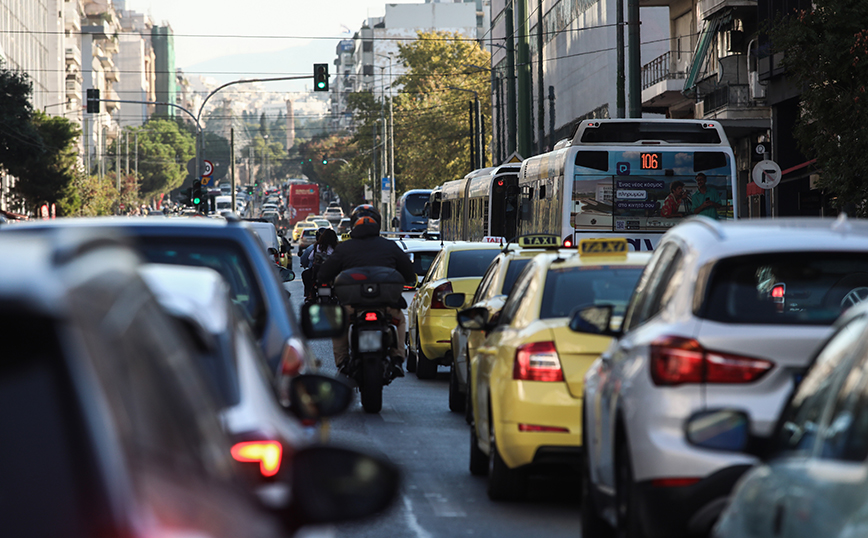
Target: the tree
(826, 55)
(45, 176)
(89, 196)
(19, 139)
(164, 150)
(426, 109)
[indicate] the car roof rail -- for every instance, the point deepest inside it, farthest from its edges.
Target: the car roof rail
(714, 226)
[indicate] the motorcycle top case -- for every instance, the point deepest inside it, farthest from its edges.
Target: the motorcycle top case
(369, 286)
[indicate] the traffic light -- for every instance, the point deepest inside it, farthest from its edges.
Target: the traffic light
(325, 160)
(92, 101)
(186, 196)
(196, 195)
(320, 77)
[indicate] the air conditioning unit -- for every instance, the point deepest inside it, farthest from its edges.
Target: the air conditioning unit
(757, 90)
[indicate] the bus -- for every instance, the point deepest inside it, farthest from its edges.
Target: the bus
(411, 211)
(632, 178)
(484, 205)
(302, 199)
(432, 211)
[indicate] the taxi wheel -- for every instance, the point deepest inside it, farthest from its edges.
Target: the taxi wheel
(425, 367)
(411, 355)
(504, 484)
(478, 459)
(627, 515)
(456, 399)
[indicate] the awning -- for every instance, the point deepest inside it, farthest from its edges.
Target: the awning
(13, 216)
(701, 52)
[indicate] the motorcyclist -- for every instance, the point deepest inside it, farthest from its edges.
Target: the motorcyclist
(364, 249)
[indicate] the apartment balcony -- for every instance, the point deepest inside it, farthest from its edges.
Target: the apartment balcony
(73, 89)
(710, 8)
(662, 85)
(73, 56)
(111, 94)
(732, 102)
(97, 29)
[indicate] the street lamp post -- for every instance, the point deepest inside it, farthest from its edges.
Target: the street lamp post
(476, 159)
(391, 142)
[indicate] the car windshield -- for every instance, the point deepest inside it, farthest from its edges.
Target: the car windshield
(224, 257)
(470, 263)
(567, 288)
(807, 288)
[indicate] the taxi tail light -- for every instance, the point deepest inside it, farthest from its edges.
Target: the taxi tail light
(537, 361)
(676, 361)
(440, 292)
(266, 452)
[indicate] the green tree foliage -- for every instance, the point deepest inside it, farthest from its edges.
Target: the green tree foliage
(269, 156)
(826, 55)
(44, 177)
(89, 196)
(346, 179)
(427, 110)
(164, 150)
(19, 139)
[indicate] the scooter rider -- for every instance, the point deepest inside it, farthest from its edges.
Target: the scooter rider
(364, 249)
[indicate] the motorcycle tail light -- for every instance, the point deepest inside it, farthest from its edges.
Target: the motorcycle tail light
(371, 316)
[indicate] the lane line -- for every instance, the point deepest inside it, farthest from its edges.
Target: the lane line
(412, 521)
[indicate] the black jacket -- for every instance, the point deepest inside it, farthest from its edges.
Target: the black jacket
(366, 250)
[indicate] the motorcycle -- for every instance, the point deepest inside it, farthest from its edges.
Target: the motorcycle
(370, 292)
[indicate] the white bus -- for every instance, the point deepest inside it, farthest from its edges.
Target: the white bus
(632, 178)
(482, 204)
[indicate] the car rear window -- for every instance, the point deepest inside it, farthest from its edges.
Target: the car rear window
(226, 258)
(512, 272)
(422, 261)
(470, 263)
(568, 288)
(786, 288)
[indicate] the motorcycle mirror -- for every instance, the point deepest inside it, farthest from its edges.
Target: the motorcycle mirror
(315, 396)
(323, 320)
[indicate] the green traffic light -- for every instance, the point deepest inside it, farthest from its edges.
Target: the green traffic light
(325, 161)
(197, 201)
(320, 85)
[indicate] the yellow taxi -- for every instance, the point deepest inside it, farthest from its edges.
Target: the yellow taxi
(456, 268)
(491, 293)
(299, 228)
(526, 377)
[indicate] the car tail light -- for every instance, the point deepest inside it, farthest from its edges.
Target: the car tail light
(538, 428)
(537, 361)
(674, 482)
(440, 292)
(779, 292)
(568, 242)
(676, 360)
(267, 453)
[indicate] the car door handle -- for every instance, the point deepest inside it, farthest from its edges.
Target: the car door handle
(778, 522)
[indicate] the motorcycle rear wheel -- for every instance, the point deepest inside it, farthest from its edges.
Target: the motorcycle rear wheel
(372, 386)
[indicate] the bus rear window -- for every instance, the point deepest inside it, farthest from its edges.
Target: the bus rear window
(791, 288)
(630, 132)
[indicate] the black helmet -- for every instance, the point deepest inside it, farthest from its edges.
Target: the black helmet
(365, 214)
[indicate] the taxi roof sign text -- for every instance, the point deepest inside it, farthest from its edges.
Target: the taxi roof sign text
(603, 247)
(539, 241)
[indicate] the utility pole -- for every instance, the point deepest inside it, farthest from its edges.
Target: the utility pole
(127, 138)
(472, 127)
(137, 154)
(525, 90)
(620, 81)
(541, 122)
(634, 58)
(552, 115)
(232, 165)
(511, 128)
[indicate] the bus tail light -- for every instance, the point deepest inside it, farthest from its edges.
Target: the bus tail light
(439, 293)
(676, 361)
(537, 361)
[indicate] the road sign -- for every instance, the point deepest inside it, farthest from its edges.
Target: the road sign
(766, 174)
(209, 168)
(387, 184)
(205, 180)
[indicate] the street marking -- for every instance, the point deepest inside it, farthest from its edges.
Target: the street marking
(412, 522)
(443, 507)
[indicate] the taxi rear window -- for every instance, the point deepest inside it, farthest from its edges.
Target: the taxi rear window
(567, 288)
(470, 263)
(786, 288)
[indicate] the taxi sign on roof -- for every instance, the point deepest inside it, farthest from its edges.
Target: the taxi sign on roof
(539, 241)
(345, 237)
(603, 247)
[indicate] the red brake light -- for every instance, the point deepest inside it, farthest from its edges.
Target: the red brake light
(439, 292)
(370, 316)
(676, 360)
(568, 243)
(267, 453)
(779, 296)
(537, 361)
(778, 290)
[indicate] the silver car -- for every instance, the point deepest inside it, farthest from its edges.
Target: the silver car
(724, 315)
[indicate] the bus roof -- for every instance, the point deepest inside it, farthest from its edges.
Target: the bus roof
(650, 132)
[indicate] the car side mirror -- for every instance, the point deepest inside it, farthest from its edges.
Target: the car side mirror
(594, 319)
(323, 320)
(287, 275)
(453, 300)
(332, 484)
(314, 396)
(474, 319)
(721, 429)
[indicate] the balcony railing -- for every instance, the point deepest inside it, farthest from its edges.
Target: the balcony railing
(659, 69)
(733, 95)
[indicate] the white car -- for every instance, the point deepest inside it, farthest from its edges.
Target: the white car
(724, 315)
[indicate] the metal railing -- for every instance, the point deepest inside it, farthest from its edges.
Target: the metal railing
(737, 95)
(659, 69)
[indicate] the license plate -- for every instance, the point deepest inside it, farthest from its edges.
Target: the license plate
(370, 341)
(324, 292)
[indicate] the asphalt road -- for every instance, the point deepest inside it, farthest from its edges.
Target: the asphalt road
(440, 498)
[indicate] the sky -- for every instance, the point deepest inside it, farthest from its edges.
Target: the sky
(277, 34)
